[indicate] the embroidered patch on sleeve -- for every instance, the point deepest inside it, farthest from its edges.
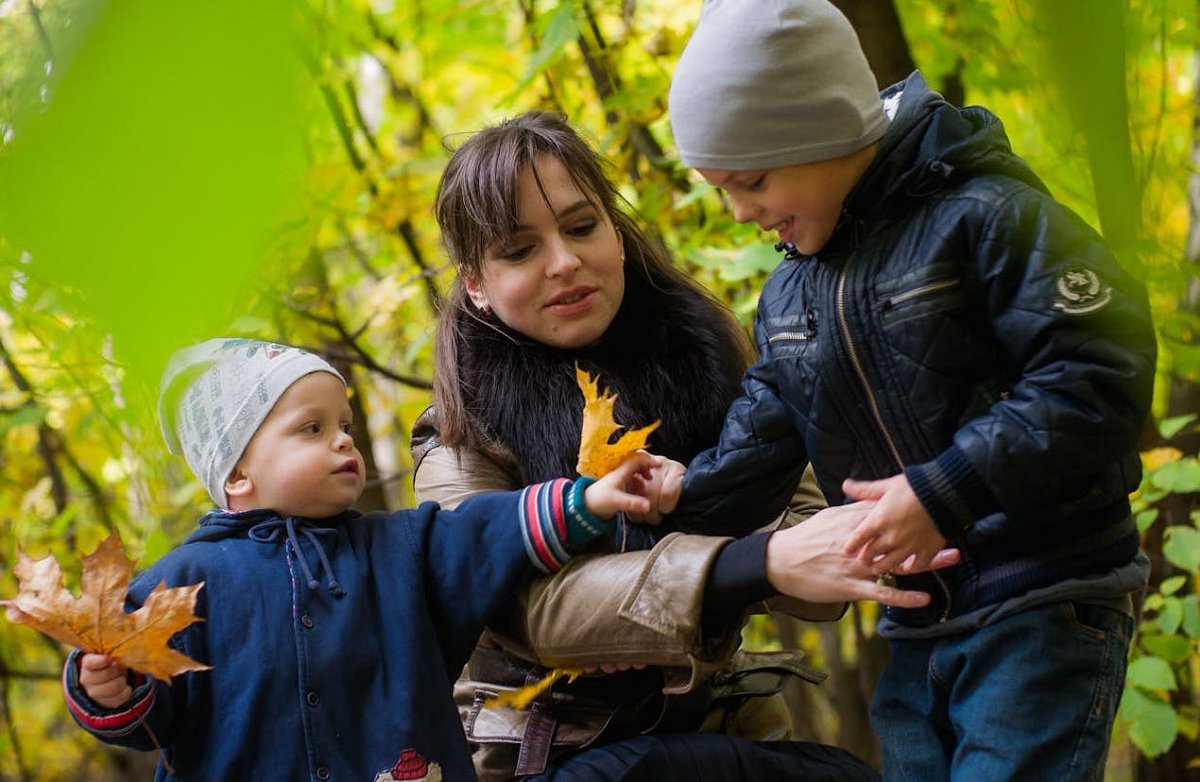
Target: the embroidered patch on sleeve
(411, 766)
(1081, 291)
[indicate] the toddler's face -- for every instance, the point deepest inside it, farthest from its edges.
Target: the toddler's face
(802, 202)
(302, 460)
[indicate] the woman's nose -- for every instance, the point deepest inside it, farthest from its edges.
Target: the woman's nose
(562, 260)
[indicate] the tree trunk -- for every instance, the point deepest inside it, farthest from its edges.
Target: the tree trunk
(882, 38)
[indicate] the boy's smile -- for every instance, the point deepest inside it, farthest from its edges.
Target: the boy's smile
(802, 202)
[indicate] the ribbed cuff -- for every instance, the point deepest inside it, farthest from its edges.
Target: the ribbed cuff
(583, 526)
(951, 491)
(104, 722)
(737, 580)
(555, 518)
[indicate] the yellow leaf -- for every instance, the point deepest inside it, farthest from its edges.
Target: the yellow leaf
(597, 456)
(1157, 457)
(97, 622)
(520, 699)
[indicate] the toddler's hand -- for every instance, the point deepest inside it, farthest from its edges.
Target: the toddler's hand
(662, 485)
(103, 679)
(623, 488)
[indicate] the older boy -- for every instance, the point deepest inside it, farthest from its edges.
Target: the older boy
(945, 338)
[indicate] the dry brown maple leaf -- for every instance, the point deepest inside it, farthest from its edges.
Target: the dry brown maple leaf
(597, 456)
(96, 621)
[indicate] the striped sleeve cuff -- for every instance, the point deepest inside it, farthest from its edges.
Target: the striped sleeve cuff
(554, 517)
(105, 723)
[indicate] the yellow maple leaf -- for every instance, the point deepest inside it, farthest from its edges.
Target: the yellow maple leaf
(96, 621)
(597, 456)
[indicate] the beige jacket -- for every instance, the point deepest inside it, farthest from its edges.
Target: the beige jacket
(639, 607)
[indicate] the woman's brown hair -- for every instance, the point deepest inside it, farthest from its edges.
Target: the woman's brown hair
(477, 208)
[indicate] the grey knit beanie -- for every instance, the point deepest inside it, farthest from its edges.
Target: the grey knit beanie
(216, 394)
(769, 83)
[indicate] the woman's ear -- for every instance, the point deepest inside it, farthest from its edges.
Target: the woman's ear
(475, 291)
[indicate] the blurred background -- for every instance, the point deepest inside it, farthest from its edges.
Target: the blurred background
(171, 171)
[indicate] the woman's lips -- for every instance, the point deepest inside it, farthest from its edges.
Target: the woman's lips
(571, 302)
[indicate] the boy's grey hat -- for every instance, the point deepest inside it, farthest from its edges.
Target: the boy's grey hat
(769, 83)
(216, 394)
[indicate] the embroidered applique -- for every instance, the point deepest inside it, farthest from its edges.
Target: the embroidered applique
(411, 766)
(1080, 291)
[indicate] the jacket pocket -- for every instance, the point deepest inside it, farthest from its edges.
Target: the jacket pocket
(791, 335)
(922, 293)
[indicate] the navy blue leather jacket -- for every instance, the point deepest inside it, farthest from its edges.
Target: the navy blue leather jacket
(963, 327)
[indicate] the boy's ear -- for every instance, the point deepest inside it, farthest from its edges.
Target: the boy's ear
(238, 484)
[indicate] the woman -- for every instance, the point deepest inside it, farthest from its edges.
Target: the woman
(553, 275)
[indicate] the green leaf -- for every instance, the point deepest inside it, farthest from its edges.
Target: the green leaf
(1171, 585)
(1172, 648)
(1145, 519)
(1181, 547)
(1191, 616)
(155, 175)
(693, 195)
(1151, 673)
(1171, 615)
(1181, 477)
(1152, 723)
(1169, 427)
(26, 414)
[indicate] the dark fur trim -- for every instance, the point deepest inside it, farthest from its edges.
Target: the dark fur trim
(665, 356)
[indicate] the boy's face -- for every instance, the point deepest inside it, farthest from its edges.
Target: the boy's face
(802, 202)
(560, 278)
(302, 460)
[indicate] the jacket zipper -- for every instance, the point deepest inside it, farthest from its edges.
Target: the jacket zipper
(921, 291)
(874, 405)
(857, 363)
(797, 335)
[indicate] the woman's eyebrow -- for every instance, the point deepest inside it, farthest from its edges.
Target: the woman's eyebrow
(562, 214)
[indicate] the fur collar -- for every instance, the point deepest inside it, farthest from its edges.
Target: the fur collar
(665, 356)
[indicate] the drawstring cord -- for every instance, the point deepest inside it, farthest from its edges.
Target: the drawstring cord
(268, 532)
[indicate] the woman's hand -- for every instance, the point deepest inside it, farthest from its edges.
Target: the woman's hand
(807, 561)
(104, 681)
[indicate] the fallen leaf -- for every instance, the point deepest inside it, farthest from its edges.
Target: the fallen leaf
(521, 698)
(597, 456)
(96, 621)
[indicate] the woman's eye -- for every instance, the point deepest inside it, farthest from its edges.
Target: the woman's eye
(756, 183)
(583, 229)
(516, 253)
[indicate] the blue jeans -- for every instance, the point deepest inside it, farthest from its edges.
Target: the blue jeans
(1030, 697)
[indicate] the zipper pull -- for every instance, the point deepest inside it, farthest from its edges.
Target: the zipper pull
(792, 254)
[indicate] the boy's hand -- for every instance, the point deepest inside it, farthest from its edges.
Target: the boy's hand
(662, 485)
(622, 489)
(807, 561)
(103, 679)
(897, 535)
